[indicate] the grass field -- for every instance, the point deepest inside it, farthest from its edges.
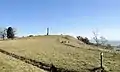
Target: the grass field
(74, 55)
(9, 64)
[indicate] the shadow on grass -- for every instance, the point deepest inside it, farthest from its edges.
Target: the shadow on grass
(97, 69)
(46, 67)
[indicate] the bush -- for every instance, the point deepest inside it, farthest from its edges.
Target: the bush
(85, 40)
(30, 36)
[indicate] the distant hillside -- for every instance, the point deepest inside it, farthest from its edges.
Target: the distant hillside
(114, 43)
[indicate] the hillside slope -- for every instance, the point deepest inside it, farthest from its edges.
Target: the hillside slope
(71, 55)
(9, 64)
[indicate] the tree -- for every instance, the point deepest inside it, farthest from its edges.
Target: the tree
(85, 40)
(30, 36)
(103, 41)
(10, 33)
(95, 38)
(3, 33)
(99, 40)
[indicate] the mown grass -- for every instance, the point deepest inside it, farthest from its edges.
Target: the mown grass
(48, 49)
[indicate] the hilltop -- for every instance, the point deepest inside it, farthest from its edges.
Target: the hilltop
(62, 51)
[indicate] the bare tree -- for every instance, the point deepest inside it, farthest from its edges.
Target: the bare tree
(3, 33)
(99, 40)
(95, 38)
(103, 40)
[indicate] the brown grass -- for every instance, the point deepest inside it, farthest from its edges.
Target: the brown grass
(9, 64)
(48, 49)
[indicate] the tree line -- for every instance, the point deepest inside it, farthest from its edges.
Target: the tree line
(7, 33)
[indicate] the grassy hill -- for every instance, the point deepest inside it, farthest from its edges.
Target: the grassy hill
(72, 55)
(9, 64)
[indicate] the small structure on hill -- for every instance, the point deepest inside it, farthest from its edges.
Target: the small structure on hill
(47, 31)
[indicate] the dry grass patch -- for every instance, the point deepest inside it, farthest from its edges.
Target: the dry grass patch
(48, 49)
(9, 64)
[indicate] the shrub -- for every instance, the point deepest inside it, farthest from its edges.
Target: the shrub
(30, 36)
(85, 40)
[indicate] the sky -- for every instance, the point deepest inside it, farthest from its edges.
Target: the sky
(73, 17)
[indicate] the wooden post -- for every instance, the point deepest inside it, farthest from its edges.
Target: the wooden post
(101, 60)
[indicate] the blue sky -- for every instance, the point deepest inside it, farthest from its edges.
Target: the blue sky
(73, 17)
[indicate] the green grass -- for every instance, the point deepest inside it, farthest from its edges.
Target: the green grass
(48, 49)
